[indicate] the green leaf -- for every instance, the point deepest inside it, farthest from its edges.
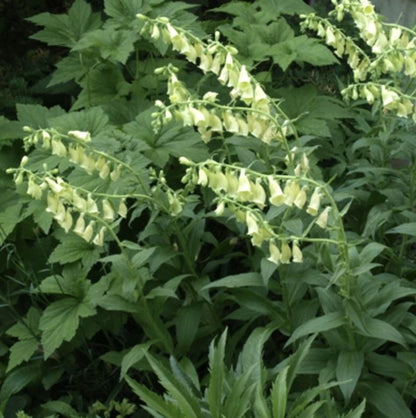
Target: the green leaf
(134, 355)
(385, 398)
(37, 116)
(405, 229)
(60, 321)
(252, 353)
(22, 351)
(17, 380)
(125, 11)
(114, 45)
(187, 321)
(104, 83)
(357, 412)
(154, 402)
(279, 394)
(60, 408)
(73, 248)
(323, 323)
(66, 30)
(10, 213)
(215, 391)
(277, 7)
(371, 251)
(237, 280)
(348, 370)
(382, 330)
(187, 403)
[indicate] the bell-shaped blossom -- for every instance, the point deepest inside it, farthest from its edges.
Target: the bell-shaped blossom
(244, 191)
(277, 197)
(122, 209)
(296, 253)
(108, 211)
(79, 227)
(314, 203)
(252, 223)
(286, 253)
(99, 237)
(322, 219)
(275, 254)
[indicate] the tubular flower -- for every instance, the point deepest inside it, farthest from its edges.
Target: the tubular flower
(314, 203)
(297, 253)
(277, 197)
(244, 191)
(80, 225)
(322, 219)
(286, 253)
(275, 255)
(258, 194)
(252, 225)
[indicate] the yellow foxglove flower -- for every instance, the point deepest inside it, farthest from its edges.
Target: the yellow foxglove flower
(275, 255)
(52, 202)
(108, 211)
(286, 253)
(60, 213)
(122, 209)
(215, 123)
(220, 209)
(314, 203)
(290, 192)
(297, 253)
(79, 227)
(252, 225)
(155, 33)
(92, 206)
(67, 222)
(175, 205)
(79, 203)
(198, 117)
(115, 174)
(322, 219)
(230, 122)
(88, 231)
(210, 96)
(232, 182)
(388, 96)
(87, 163)
(206, 63)
(244, 191)
(58, 148)
(223, 77)
(33, 189)
(258, 194)
(81, 135)
(300, 198)
(104, 171)
(217, 181)
(53, 185)
(242, 127)
(277, 197)
(202, 177)
(99, 237)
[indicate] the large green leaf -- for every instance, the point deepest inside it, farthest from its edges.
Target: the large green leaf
(66, 30)
(215, 392)
(348, 371)
(323, 323)
(60, 321)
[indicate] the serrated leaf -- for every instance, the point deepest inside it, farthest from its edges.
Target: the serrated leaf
(323, 323)
(292, 7)
(59, 322)
(73, 248)
(279, 394)
(154, 402)
(66, 30)
(22, 351)
(37, 116)
(187, 403)
(215, 391)
(348, 370)
(134, 355)
(10, 214)
(114, 45)
(252, 353)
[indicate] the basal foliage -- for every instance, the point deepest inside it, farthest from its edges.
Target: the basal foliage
(228, 214)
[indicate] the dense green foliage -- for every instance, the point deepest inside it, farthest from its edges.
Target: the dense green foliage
(217, 220)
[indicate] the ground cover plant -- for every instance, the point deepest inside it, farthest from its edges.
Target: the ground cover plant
(221, 222)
